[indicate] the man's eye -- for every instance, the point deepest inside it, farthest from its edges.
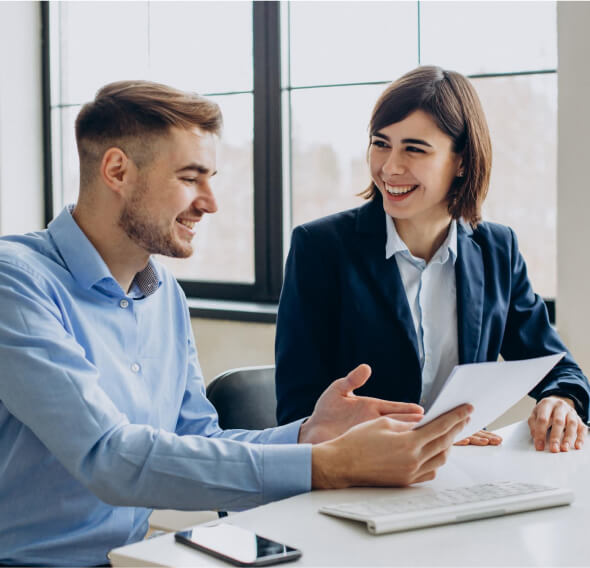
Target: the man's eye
(378, 143)
(189, 180)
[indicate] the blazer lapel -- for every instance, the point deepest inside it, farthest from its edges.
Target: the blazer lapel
(384, 272)
(470, 291)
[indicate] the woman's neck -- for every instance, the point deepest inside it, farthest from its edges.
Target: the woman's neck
(423, 239)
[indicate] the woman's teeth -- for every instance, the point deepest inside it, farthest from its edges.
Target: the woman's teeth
(399, 189)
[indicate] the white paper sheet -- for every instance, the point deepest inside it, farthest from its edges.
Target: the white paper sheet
(492, 388)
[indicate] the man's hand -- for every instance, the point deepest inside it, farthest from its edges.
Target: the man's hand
(481, 438)
(338, 409)
(567, 429)
(386, 452)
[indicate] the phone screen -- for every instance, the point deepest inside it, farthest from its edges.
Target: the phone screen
(237, 545)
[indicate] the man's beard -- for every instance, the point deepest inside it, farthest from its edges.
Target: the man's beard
(147, 234)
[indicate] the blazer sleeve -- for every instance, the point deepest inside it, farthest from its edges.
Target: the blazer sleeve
(306, 347)
(529, 334)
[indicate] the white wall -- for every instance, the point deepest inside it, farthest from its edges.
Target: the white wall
(21, 148)
(226, 345)
(573, 162)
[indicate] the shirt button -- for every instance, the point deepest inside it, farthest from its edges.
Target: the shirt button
(135, 367)
(123, 303)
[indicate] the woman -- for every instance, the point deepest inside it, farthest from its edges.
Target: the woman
(413, 282)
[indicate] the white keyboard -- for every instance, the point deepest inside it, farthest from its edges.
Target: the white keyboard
(423, 508)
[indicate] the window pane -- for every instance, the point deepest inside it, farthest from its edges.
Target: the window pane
(522, 116)
(489, 37)
(329, 144)
(351, 42)
(161, 41)
(100, 42)
(201, 46)
(66, 165)
(224, 243)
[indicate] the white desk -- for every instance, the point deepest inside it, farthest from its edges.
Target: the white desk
(551, 537)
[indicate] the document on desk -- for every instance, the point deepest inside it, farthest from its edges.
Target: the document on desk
(491, 387)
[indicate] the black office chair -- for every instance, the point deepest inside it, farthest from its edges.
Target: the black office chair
(245, 397)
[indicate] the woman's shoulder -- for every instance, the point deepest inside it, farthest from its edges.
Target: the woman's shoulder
(343, 222)
(490, 231)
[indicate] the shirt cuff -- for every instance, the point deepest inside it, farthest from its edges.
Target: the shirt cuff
(286, 434)
(286, 471)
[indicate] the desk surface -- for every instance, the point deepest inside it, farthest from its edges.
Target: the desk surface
(550, 537)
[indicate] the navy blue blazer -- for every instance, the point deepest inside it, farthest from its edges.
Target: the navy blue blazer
(343, 303)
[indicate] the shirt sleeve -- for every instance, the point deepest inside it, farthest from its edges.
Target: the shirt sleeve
(49, 384)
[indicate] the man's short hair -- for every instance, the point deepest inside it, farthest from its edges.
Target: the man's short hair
(131, 114)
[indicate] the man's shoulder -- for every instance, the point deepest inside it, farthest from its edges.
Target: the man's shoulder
(32, 253)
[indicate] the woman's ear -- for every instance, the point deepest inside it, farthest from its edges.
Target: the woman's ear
(460, 169)
(116, 169)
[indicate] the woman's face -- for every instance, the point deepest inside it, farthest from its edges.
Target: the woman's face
(413, 164)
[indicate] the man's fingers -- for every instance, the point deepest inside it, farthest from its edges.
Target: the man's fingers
(441, 425)
(355, 379)
(442, 442)
(405, 417)
(386, 407)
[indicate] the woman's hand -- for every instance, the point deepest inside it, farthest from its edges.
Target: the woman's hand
(558, 414)
(481, 438)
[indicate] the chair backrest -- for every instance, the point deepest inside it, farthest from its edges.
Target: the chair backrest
(245, 397)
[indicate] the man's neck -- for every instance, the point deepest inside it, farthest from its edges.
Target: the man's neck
(122, 256)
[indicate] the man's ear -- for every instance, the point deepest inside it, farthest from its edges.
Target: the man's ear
(117, 170)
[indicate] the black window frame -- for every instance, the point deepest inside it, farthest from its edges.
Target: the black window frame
(226, 300)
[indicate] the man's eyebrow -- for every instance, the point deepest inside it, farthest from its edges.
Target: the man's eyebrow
(404, 140)
(196, 168)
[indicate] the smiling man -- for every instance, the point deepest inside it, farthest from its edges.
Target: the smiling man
(103, 413)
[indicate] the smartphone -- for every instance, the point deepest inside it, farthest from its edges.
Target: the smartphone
(236, 545)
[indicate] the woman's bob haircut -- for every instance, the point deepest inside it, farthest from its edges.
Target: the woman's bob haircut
(450, 99)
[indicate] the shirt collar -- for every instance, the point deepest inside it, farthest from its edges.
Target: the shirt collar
(87, 266)
(394, 243)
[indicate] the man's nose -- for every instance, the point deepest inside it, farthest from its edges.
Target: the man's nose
(205, 199)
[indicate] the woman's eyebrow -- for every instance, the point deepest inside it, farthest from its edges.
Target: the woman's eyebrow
(416, 141)
(405, 140)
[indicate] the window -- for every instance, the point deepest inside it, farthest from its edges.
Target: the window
(297, 92)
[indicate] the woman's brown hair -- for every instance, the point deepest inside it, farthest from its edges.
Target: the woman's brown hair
(450, 99)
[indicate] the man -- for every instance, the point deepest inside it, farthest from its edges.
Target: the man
(103, 412)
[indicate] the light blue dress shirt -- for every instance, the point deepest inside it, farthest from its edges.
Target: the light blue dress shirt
(432, 297)
(103, 412)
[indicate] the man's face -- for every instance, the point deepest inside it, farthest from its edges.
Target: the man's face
(172, 193)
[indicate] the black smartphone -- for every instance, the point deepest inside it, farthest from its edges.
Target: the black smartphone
(239, 546)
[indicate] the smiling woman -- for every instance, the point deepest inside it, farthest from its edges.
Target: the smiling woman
(414, 282)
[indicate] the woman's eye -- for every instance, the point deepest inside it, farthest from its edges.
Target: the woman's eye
(190, 180)
(414, 149)
(379, 143)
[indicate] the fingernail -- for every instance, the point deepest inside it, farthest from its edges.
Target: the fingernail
(539, 445)
(566, 447)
